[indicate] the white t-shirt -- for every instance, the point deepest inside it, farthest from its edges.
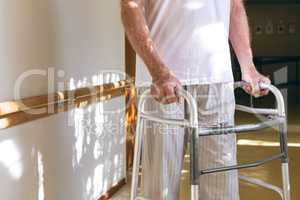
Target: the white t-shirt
(191, 37)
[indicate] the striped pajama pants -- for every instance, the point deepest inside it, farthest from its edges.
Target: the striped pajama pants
(164, 146)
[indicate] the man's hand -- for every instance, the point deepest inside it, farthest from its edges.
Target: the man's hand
(164, 88)
(253, 78)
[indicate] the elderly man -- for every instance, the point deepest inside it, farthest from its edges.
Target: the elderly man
(185, 43)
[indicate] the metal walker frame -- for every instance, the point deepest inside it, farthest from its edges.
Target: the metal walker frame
(273, 118)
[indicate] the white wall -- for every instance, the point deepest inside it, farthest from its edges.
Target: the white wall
(60, 160)
(80, 37)
(76, 155)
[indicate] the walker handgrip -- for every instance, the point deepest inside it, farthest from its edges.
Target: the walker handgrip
(262, 86)
(276, 92)
(192, 106)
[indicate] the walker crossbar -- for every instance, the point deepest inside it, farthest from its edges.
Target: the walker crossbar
(275, 118)
(256, 110)
(241, 128)
(216, 130)
(242, 166)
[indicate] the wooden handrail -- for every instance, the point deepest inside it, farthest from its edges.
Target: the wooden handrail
(13, 113)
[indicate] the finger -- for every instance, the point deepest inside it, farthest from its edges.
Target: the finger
(155, 93)
(255, 89)
(169, 96)
(154, 90)
(264, 92)
(247, 89)
(265, 80)
(165, 100)
(158, 99)
(171, 100)
(250, 88)
(180, 99)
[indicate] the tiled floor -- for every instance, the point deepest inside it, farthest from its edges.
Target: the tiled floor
(253, 147)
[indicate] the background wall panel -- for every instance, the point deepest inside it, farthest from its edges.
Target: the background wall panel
(275, 44)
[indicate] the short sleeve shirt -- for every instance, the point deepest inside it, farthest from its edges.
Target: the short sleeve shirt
(191, 37)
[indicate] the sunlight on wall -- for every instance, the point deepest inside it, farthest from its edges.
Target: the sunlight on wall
(99, 186)
(80, 116)
(88, 185)
(4, 123)
(98, 140)
(10, 157)
(79, 134)
(8, 107)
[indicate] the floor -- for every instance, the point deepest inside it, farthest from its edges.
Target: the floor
(257, 146)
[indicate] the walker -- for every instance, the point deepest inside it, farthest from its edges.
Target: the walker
(272, 118)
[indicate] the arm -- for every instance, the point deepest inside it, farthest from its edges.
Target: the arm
(240, 40)
(164, 82)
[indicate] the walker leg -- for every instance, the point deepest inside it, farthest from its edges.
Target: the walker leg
(194, 164)
(284, 162)
(137, 157)
(286, 181)
(195, 192)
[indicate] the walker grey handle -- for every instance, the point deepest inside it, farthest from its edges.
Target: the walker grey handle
(191, 103)
(280, 109)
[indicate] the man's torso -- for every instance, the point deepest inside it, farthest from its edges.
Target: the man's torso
(191, 37)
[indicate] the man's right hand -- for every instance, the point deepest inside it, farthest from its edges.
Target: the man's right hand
(164, 87)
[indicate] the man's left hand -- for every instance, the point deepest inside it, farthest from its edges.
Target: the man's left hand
(253, 78)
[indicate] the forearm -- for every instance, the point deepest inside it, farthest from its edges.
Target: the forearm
(240, 35)
(139, 36)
